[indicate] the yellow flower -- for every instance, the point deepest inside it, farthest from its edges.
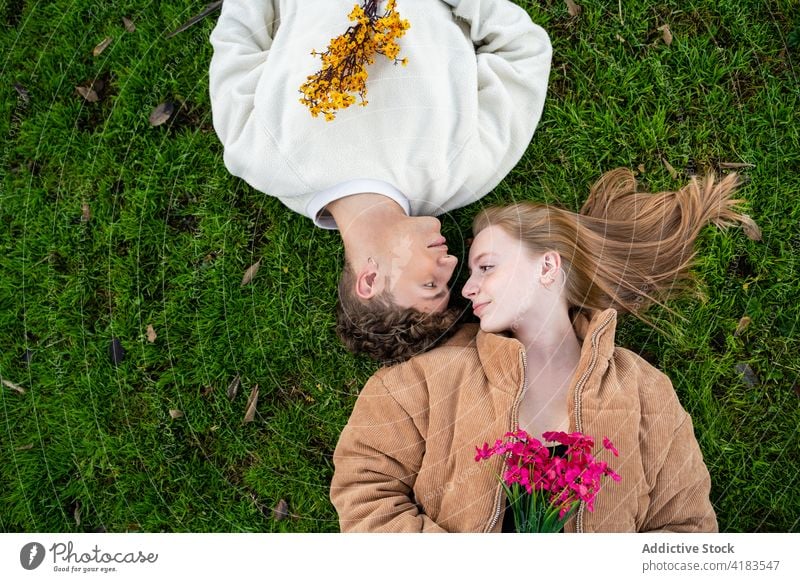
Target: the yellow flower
(343, 74)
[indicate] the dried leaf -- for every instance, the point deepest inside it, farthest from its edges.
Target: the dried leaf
(77, 513)
(233, 387)
(640, 167)
(743, 323)
(750, 228)
(102, 46)
(27, 447)
(14, 387)
(175, 413)
(151, 333)
(116, 352)
(195, 19)
(162, 113)
(666, 34)
(672, 173)
(573, 9)
(748, 376)
(735, 165)
(88, 93)
(280, 511)
(128, 24)
(252, 402)
(86, 213)
(23, 93)
(250, 273)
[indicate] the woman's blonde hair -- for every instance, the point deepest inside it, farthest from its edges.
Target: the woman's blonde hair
(625, 249)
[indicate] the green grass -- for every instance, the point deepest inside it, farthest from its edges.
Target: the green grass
(171, 234)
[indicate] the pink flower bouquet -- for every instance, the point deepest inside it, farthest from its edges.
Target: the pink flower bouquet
(554, 485)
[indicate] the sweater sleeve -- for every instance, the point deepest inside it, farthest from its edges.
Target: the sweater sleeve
(679, 499)
(513, 65)
(241, 41)
(375, 467)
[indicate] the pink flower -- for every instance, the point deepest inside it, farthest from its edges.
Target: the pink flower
(610, 446)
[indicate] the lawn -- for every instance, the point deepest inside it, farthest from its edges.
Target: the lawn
(117, 232)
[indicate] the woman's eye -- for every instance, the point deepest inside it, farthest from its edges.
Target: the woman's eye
(484, 268)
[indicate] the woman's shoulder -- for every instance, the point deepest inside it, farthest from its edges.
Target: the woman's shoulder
(655, 390)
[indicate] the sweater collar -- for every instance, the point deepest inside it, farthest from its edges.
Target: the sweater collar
(501, 356)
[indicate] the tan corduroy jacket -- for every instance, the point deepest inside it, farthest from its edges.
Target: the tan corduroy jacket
(405, 462)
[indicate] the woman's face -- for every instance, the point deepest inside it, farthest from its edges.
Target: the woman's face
(506, 281)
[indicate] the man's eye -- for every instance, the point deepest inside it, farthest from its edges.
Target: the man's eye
(431, 285)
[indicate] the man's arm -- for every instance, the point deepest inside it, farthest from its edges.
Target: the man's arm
(376, 463)
(513, 60)
(241, 40)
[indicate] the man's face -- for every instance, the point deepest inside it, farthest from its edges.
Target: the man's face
(420, 266)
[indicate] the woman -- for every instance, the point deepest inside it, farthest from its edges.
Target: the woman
(547, 285)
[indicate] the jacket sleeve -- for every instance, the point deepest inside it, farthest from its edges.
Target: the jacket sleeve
(679, 500)
(513, 65)
(375, 467)
(241, 41)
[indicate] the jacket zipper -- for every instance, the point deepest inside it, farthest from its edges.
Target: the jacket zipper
(514, 422)
(578, 419)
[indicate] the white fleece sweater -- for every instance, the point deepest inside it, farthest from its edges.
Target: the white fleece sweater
(436, 134)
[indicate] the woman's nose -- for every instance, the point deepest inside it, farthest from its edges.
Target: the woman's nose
(470, 289)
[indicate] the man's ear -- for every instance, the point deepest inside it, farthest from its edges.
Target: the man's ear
(368, 280)
(551, 266)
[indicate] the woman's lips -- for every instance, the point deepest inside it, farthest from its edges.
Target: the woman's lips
(476, 309)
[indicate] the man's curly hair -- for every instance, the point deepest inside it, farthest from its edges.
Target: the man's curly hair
(385, 331)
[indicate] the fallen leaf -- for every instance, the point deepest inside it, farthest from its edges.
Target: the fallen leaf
(666, 34)
(14, 387)
(640, 167)
(672, 173)
(735, 165)
(280, 511)
(77, 513)
(22, 92)
(748, 376)
(573, 9)
(86, 213)
(175, 413)
(162, 113)
(252, 402)
(116, 352)
(195, 19)
(102, 46)
(88, 93)
(743, 323)
(619, 38)
(151, 333)
(233, 387)
(27, 447)
(250, 273)
(206, 390)
(750, 228)
(128, 24)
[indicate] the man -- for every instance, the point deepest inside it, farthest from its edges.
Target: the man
(436, 135)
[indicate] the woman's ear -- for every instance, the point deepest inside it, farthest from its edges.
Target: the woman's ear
(551, 267)
(368, 280)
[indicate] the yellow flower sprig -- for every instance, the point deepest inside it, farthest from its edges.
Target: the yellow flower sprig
(344, 65)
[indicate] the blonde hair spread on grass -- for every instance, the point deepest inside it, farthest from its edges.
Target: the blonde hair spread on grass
(626, 249)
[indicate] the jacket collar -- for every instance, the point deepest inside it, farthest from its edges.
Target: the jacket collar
(501, 356)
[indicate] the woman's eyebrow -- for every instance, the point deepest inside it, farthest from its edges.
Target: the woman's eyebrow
(478, 258)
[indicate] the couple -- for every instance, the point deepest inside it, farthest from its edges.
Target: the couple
(546, 283)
